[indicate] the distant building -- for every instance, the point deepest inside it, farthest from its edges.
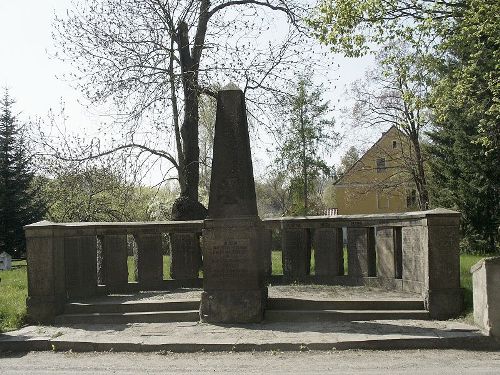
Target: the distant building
(379, 182)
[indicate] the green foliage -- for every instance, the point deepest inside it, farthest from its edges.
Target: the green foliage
(13, 293)
(469, 73)
(103, 194)
(306, 134)
(459, 43)
(347, 160)
(353, 26)
(20, 202)
(466, 138)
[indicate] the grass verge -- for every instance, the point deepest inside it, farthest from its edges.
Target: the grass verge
(13, 293)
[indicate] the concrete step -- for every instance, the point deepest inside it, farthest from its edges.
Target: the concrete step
(130, 306)
(343, 315)
(129, 317)
(319, 304)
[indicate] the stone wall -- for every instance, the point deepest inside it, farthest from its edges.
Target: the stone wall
(486, 287)
(415, 252)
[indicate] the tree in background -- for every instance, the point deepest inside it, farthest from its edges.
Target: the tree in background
(466, 138)
(347, 160)
(101, 193)
(20, 200)
(152, 60)
(395, 93)
(306, 135)
(464, 41)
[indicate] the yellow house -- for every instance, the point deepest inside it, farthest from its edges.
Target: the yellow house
(378, 182)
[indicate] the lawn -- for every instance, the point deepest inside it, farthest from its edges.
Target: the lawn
(13, 293)
(13, 287)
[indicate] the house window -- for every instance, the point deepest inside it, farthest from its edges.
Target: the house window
(380, 165)
(411, 199)
(394, 144)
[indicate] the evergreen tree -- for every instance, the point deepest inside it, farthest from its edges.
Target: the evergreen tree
(20, 202)
(307, 133)
(466, 139)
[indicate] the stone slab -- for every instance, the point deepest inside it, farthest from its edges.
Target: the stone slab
(194, 337)
(185, 255)
(486, 286)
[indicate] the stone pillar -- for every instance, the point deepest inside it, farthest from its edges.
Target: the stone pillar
(149, 260)
(414, 259)
(114, 262)
(443, 295)
(233, 259)
(267, 244)
(361, 252)
(46, 274)
(185, 255)
(295, 252)
(385, 241)
(486, 295)
(80, 260)
(328, 252)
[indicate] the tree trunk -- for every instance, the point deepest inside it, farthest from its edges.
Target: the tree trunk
(187, 207)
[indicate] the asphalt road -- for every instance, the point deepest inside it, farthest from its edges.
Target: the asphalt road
(343, 362)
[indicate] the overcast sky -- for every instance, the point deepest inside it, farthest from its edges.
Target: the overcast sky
(27, 70)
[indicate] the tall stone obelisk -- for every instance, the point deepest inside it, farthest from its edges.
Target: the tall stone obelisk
(233, 261)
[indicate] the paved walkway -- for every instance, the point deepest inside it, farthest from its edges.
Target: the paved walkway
(194, 337)
(281, 336)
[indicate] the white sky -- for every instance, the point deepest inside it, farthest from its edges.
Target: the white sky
(31, 75)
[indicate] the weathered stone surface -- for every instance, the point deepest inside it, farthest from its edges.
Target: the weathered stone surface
(234, 265)
(46, 278)
(414, 261)
(114, 261)
(80, 259)
(149, 259)
(486, 295)
(233, 306)
(185, 255)
(267, 243)
(232, 186)
(328, 252)
(385, 241)
(296, 253)
(443, 297)
(361, 255)
(234, 271)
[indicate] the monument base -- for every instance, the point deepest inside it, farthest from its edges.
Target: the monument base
(239, 306)
(233, 271)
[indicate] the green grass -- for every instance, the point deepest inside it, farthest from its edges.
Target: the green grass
(13, 293)
(166, 268)
(13, 287)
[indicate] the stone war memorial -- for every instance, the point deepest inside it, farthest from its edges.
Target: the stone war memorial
(234, 288)
(341, 275)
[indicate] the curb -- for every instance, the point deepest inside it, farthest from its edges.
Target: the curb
(478, 343)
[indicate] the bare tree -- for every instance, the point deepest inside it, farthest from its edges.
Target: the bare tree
(152, 59)
(395, 93)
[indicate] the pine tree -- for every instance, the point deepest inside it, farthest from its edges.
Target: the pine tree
(20, 202)
(306, 135)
